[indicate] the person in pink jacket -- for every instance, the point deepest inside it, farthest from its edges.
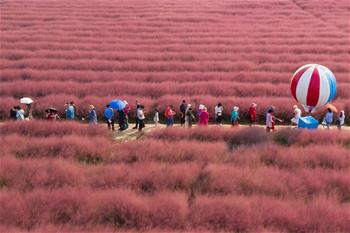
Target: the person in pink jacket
(204, 117)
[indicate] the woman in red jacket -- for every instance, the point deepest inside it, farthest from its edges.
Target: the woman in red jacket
(252, 114)
(204, 117)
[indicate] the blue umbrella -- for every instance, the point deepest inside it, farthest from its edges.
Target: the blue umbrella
(117, 104)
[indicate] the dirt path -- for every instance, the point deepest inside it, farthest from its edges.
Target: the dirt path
(133, 134)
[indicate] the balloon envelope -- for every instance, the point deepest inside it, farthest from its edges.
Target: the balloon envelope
(117, 104)
(313, 86)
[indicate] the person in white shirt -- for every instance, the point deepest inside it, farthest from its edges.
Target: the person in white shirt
(156, 118)
(219, 109)
(141, 117)
(20, 114)
(297, 115)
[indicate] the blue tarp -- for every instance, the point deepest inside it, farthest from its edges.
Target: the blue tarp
(307, 122)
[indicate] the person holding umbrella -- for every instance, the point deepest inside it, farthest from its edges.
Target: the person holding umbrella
(51, 114)
(28, 112)
(109, 117)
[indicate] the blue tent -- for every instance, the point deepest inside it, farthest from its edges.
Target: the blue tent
(117, 104)
(307, 122)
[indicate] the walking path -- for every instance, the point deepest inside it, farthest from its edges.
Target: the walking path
(133, 134)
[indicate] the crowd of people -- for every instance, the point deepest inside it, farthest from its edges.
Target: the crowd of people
(187, 115)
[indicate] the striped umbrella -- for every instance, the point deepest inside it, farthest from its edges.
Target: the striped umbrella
(313, 86)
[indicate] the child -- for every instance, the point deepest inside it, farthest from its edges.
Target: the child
(156, 117)
(270, 120)
(234, 116)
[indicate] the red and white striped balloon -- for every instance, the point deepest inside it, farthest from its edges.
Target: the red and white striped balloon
(313, 86)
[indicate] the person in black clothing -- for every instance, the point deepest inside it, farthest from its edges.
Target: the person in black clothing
(183, 108)
(13, 113)
(138, 105)
(189, 117)
(122, 120)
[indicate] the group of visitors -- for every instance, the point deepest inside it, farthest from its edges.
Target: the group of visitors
(187, 116)
(20, 114)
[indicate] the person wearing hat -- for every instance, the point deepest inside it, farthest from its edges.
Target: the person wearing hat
(252, 114)
(204, 117)
(92, 115)
(234, 116)
(297, 115)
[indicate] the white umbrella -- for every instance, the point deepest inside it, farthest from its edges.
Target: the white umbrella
(26, 100)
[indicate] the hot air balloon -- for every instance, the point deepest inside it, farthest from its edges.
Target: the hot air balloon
(313, 86)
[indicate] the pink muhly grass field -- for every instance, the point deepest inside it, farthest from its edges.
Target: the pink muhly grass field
(70, 177)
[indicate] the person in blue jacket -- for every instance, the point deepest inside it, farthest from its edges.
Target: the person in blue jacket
(70, 111)
(109, 117)
(92, 115)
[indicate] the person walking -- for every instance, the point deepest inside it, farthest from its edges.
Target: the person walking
(270, 120)
(28, 115)
(328, 119)
(234, 116)
(141, 117)
(126, 112)
(189, 119)
(340, 119)
(13, 113)
(219, 113)
(109, 117)
(137, 119)
(204, 117)
(20, 113)
(297, 115)
(169, 115)
(183, 108)
(70, 111)
(122, 121)
(92, 117)
(252, 114)
(156, 117)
